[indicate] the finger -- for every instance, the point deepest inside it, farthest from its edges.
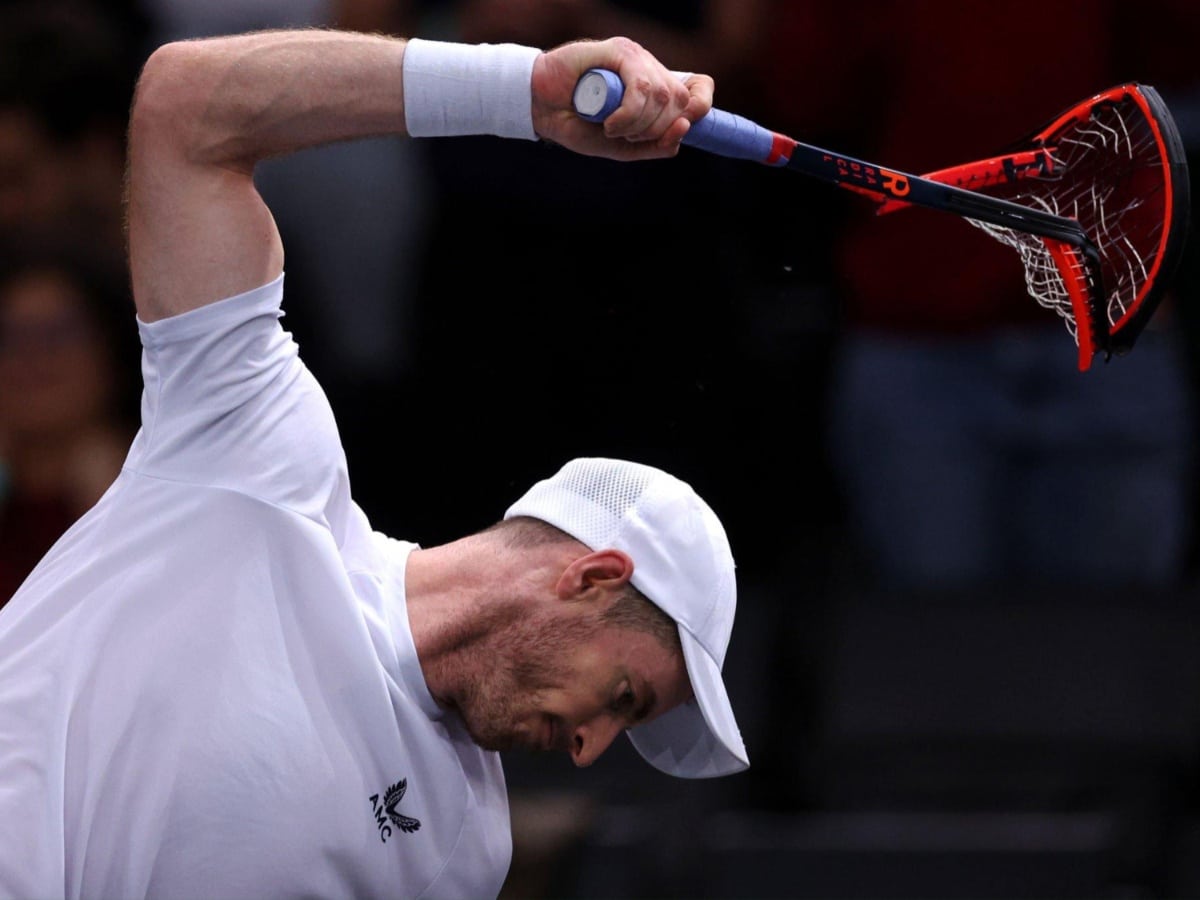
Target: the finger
(700, 97)
(699, 103)
(637, 109)
(654, 98)
(673, 137)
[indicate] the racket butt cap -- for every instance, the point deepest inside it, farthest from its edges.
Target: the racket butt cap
(597, 94)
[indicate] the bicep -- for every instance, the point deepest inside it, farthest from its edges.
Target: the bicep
(197, 234)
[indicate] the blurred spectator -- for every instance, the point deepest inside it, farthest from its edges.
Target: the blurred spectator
(66, 76)
(970, 449)
(69, 387)
(67, 368)
(174, 20)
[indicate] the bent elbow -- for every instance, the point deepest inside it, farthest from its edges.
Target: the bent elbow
(163, 99)
(184, 105)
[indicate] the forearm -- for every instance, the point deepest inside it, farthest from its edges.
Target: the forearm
(233, 101)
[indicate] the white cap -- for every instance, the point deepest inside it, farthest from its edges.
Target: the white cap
(683, 564)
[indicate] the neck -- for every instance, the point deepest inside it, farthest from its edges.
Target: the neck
(461, 594)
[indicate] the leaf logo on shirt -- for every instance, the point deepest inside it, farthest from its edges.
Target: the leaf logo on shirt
(386, 812)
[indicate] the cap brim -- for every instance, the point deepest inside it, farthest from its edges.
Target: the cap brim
(699, 738)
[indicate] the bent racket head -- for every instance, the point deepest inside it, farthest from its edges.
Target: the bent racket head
(1116, 164)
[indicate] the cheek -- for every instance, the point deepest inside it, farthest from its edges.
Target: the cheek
(575, 697)
(573, 684)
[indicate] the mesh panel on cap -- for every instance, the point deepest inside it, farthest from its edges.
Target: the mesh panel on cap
(612, 488)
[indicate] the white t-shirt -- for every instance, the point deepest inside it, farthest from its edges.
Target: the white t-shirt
(208, 688)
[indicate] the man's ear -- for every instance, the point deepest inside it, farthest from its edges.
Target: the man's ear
(607, 569)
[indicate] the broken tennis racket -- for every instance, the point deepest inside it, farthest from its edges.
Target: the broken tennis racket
(1095, 204)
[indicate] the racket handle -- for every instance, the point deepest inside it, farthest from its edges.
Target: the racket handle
(599, 91)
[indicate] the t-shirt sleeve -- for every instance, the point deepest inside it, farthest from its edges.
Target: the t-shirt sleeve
(227, 403)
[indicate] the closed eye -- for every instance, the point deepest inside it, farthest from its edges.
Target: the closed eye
(627, 704)
(624, 703)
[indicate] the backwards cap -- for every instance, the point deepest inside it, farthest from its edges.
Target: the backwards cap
(683, 564)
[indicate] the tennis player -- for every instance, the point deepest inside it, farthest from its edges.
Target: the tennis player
(221, 682)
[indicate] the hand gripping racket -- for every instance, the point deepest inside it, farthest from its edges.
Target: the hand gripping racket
(1095, 204)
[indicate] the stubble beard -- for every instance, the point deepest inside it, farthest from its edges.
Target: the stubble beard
(511, 669)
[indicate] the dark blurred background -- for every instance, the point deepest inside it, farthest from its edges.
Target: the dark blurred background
(965, 661)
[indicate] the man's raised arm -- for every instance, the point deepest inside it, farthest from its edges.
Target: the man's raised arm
(206, 111)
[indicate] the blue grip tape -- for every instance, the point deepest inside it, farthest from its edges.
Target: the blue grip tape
(727, 134)
(599, 91)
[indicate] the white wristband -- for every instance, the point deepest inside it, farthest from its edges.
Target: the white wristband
(459, 89)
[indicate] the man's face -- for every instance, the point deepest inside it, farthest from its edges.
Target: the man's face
(45, 183)
(571, 685)
(54, 371)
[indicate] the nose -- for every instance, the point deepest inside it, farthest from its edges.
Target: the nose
(592, 738)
